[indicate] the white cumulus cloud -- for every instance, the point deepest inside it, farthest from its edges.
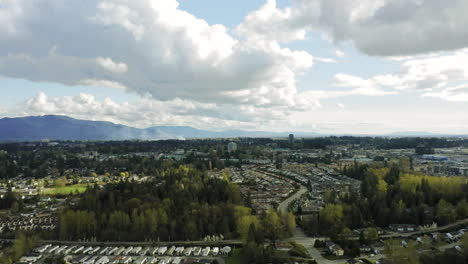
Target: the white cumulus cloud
(376, 27)
(148, 47)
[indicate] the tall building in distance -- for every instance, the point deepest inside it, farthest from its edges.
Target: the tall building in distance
(291, 138)
(232, 147)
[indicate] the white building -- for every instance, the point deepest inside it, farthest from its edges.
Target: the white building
(232, 147)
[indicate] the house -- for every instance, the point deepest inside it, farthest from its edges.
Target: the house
(403, 228)
(334, 248)
(364, 249)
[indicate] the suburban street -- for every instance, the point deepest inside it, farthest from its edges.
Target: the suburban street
(283, 206)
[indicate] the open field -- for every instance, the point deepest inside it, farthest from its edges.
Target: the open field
(235, 257)
(76, 188)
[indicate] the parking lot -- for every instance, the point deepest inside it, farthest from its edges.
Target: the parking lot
(128, 254)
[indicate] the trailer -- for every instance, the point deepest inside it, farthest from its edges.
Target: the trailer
(154, 251)
(112, 250)
(188, 251)
(162, 251)
(42, 249)
(197, 251)
(170, 251)
(144, 251)
(86, 250)
(119, 251)
(206, 251)
(52, 249)
(69, 250)
(59, 250)
(94, 251)
(104, 251)
(140, 260)
(78, 250)
(127, 251)
(103, 260)
(136, 250)
(179, 250)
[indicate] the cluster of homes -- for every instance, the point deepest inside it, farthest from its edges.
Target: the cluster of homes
(265, 190)
(127, 254)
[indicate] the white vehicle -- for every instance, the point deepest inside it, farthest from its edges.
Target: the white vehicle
(206, 251)
(144, 251)
(162, 251)
(94, 251)
(179, 250)
(43, 248)
(140, 260)
(188, 251)
(52, 249)
(112, 250)
(78, 250)
(91, 260)
(165, 260)
(197, 251)
(60, 250)
(126, 260)
(102, 260)
(86, 250)
(136, 250)
(177, 260)
(127, 251)
(84, 259)
(69, 250)
(104, 251)
(215, 251)
(119, 251)
(154, 251)
(170, 251)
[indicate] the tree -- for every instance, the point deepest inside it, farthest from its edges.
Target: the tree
(289, 221)
(331, 220)
(462, 209)
(445, 212)
(371, 234)
(60, 182)
(272, 225)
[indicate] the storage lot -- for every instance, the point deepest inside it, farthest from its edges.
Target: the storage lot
(129, 254)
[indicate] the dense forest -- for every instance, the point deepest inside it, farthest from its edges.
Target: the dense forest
(391, 196)
(188, 205)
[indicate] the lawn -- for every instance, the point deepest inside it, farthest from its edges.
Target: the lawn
(235, 257)
(76, 188)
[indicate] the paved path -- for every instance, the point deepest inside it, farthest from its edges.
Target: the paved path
(308, 242)
(283, 206)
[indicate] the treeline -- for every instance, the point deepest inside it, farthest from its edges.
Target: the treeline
(378, 142)
(188, 205)
(390, 196)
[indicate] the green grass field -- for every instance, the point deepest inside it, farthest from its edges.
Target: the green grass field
(235, 257)
(76, 188)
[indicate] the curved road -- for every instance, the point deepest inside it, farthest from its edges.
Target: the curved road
(283, 206)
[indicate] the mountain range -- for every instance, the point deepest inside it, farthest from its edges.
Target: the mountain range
(55, 127)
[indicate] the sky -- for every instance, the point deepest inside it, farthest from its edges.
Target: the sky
(326, 66)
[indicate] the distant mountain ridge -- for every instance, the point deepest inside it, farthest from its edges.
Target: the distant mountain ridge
(55, 127)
